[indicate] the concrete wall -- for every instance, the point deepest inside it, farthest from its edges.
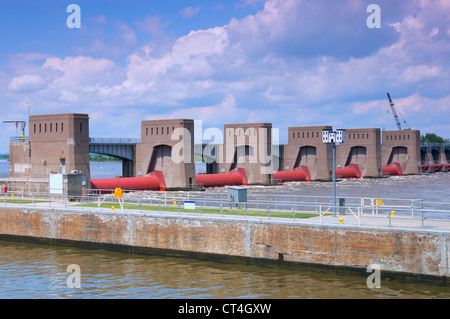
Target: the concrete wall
(362, 147)
(57, 138)
(402, 147)
(420, 253)
(160, 139)
(248, 146)
(58, 143)
(305, 148)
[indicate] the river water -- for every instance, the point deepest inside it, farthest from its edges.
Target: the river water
(40, 271)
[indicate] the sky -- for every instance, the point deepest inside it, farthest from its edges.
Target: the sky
(285, 62)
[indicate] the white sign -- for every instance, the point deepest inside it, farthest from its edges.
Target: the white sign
(56, 183)
(337, 136)
(189, 204)
(326, 136)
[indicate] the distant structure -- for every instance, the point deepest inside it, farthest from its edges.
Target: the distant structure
(167, 146)
(164, 155)
(57, 143)
(248, 146)
(305, 149)
(363, 148)
(402, 147)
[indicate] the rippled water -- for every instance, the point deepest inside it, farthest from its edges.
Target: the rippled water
(39, 271)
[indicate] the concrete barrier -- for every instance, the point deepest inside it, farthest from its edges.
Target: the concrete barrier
(421, 253)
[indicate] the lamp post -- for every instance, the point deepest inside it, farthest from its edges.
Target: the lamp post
(335, 138)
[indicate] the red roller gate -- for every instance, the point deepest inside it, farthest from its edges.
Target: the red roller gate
(154, 182)
(350, 171)
(298, 174)
(236, 177)
(393, 169)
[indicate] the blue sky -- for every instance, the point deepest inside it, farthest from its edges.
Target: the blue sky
(286, 62)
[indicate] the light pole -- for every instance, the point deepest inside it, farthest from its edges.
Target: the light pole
(335, 138)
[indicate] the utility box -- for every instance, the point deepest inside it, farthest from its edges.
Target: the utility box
(75, 186)
(237, 194)
(341, 206)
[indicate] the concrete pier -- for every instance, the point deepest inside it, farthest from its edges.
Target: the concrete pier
(416, 253)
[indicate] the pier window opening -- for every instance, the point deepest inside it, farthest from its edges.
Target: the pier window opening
(62, 127)
(110, 164)
(51, 128)
(56, 127)
(40, 128)
(151, 131)
(45, 128)
(34, 128)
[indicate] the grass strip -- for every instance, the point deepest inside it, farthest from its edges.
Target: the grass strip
(216, 211)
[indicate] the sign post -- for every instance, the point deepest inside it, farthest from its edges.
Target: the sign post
(335, 138)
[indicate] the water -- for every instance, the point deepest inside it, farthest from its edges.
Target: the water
(429, 187)
(40, 271)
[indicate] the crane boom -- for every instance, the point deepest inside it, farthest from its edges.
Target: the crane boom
(394, 111)
(22, 125)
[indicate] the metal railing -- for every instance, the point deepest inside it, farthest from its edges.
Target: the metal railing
(356, 211)
(113, 140)
(19, 139)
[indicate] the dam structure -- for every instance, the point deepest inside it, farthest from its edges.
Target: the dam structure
(162, 161)
(165, 154)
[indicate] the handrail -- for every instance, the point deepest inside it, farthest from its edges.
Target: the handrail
(270, 210)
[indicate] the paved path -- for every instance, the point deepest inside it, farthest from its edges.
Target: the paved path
(382, 221)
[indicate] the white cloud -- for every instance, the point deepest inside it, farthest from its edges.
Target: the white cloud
(72, 73)
(420, 72)
(219, 114)
(26, 83)
(189, 12)
(153, 25)
(292, 62)
(187, 59)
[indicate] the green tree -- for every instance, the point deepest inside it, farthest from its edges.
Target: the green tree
(433, 138)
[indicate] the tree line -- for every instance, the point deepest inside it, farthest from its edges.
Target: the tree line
(433, 138)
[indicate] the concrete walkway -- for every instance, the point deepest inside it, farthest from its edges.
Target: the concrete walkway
(348, 220)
